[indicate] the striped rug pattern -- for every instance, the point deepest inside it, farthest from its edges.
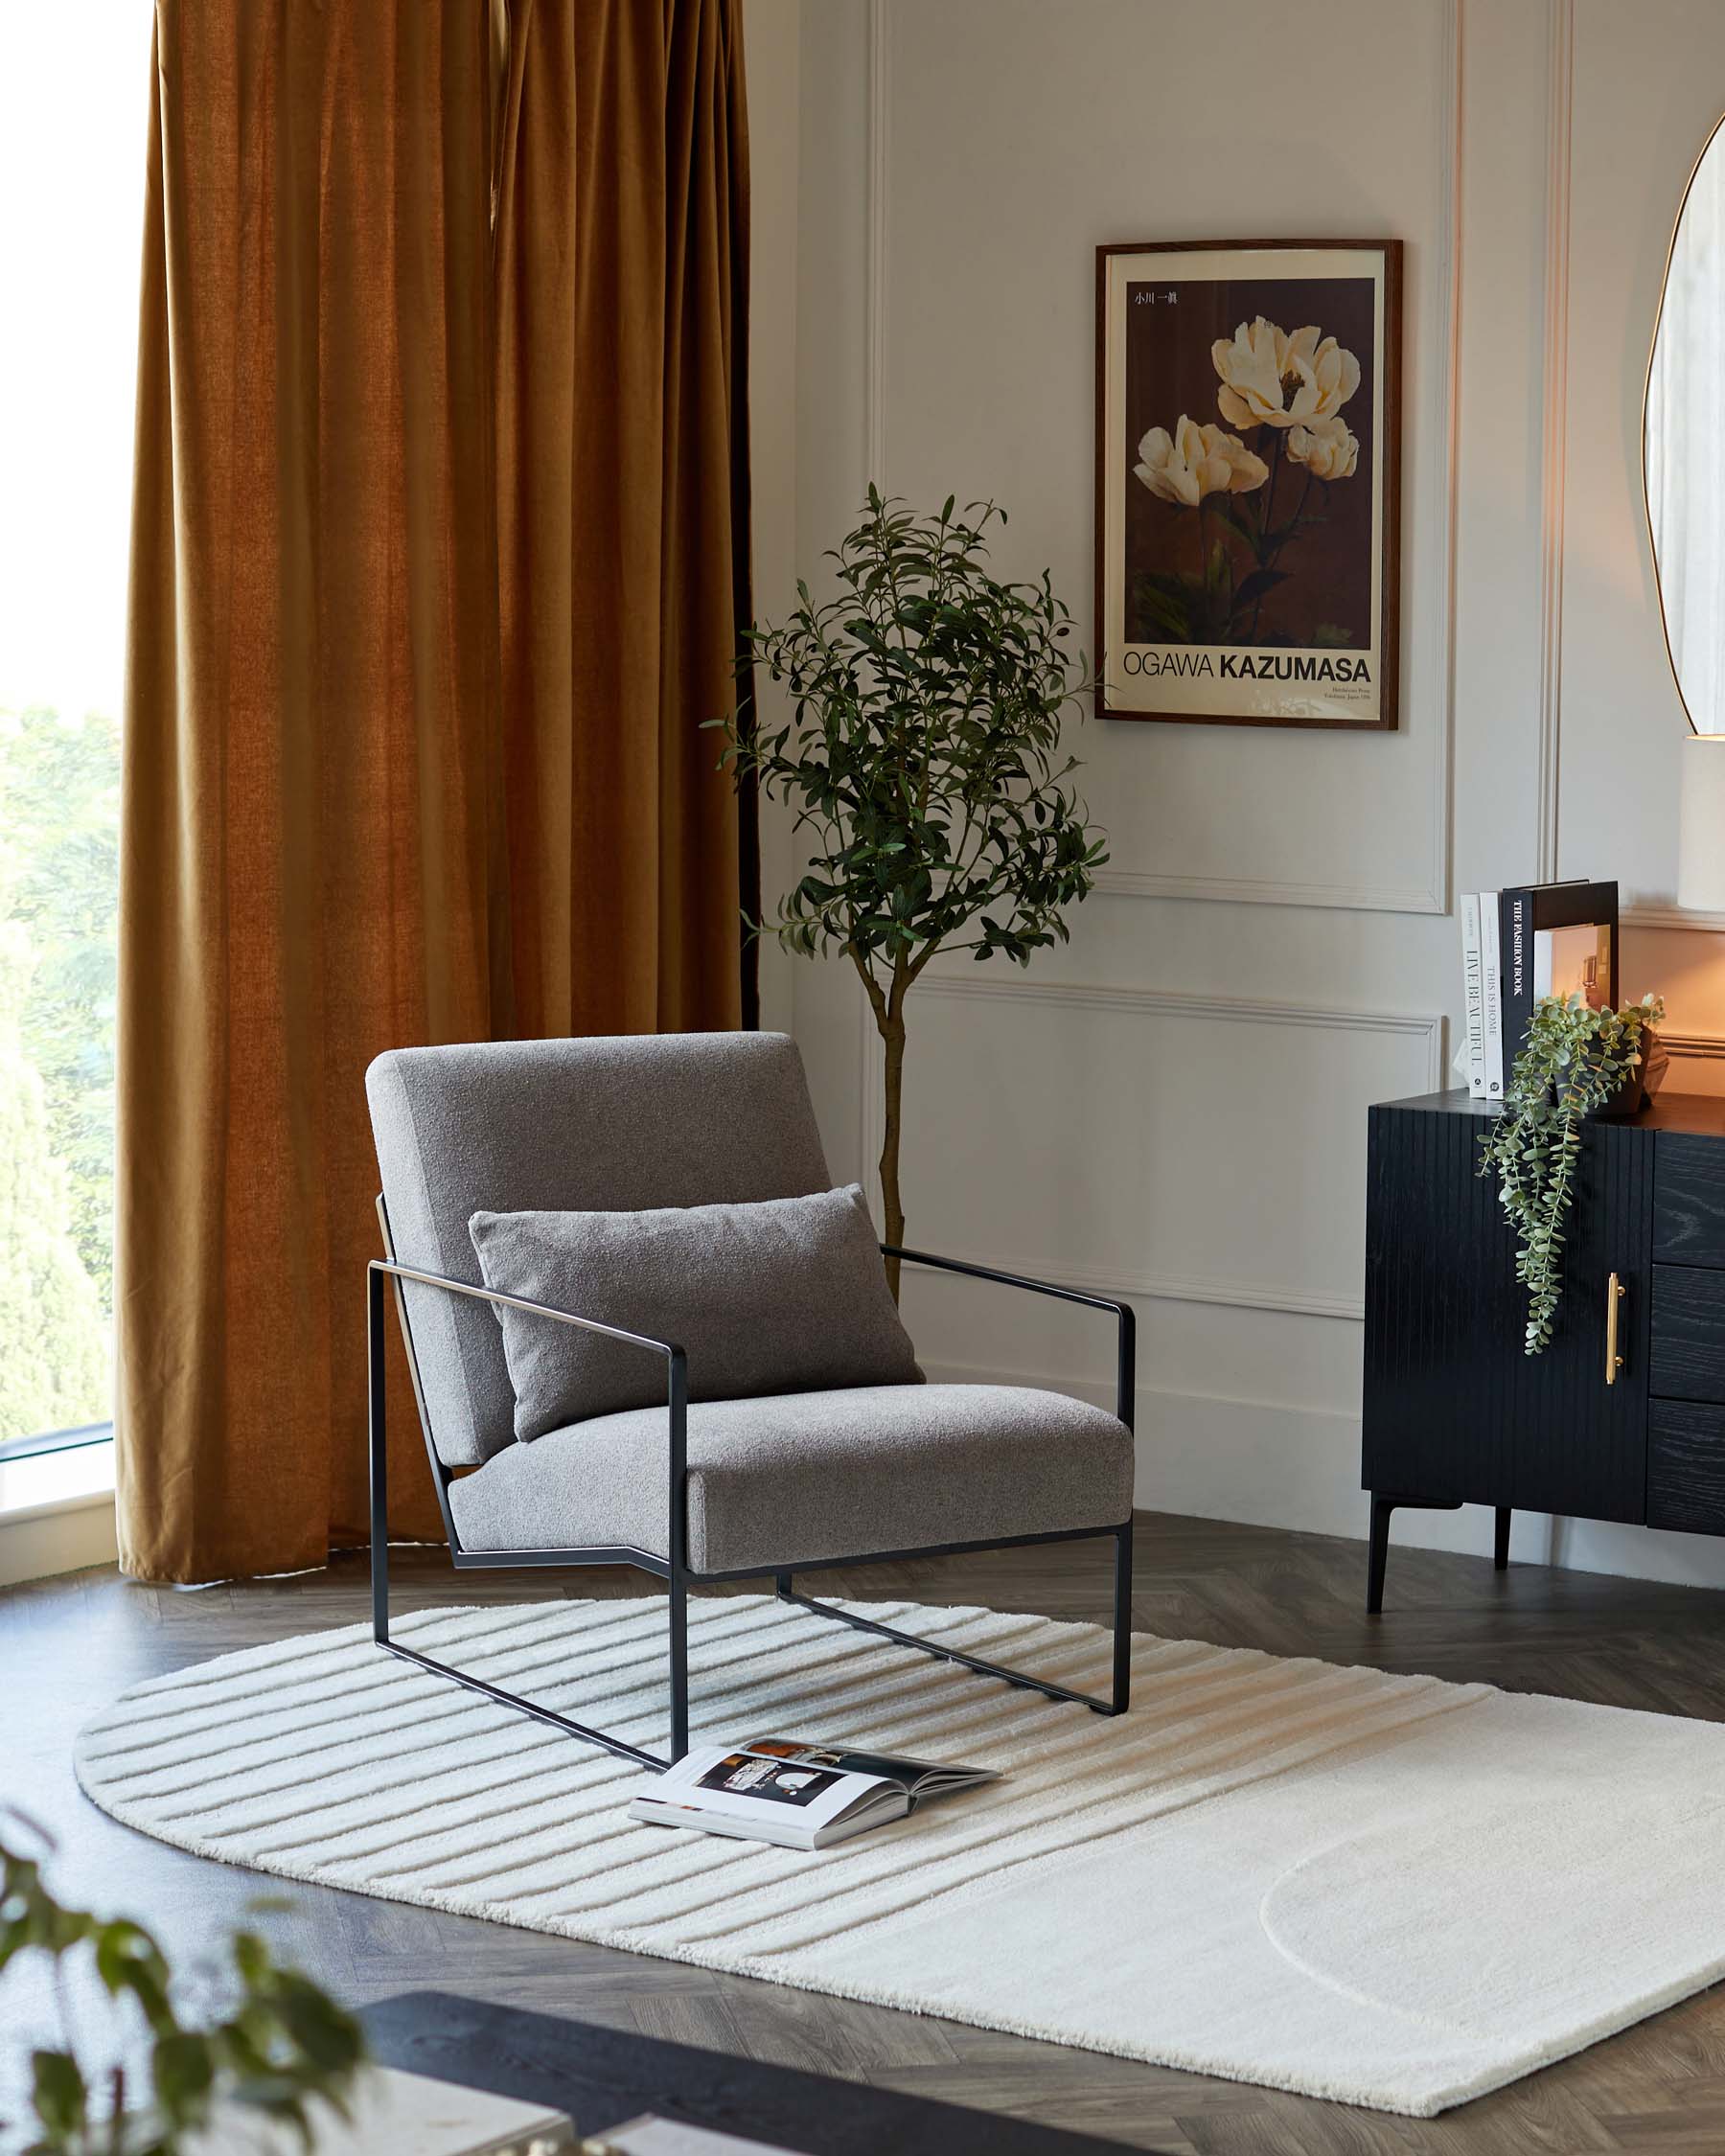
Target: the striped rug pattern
(1196, 1882)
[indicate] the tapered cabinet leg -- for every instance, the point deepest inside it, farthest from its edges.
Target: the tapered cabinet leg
(1500, 1550)
(1378, 1553)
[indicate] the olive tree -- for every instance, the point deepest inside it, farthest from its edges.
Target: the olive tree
(922, 755)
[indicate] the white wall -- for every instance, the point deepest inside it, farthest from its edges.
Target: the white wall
(1173, 1107)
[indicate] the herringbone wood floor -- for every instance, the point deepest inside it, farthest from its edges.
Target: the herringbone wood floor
(66, 1647)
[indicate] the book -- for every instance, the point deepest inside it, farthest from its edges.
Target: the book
(801, 1796)
(1491, 997)
(1556, 939)
(395, 2114)
(1473, 984)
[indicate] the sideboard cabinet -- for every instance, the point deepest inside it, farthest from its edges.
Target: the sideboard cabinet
(1622, 1417)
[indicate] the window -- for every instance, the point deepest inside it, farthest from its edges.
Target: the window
(72, 144)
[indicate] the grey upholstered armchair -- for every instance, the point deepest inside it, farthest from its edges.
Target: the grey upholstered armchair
(693, 1488)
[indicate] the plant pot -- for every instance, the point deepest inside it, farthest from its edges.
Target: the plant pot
(1642, 1083)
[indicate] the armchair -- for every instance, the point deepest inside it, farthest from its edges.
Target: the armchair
(698, 1491)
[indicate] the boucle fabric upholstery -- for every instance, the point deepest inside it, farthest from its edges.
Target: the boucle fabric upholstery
(608, 1125)
(804, 1476)
(787, 1295)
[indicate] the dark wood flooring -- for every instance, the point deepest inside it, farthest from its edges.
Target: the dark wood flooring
(68, 1645)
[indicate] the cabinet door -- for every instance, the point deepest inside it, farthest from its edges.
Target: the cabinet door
(1583, 1448)
(1453, 1406)
(1443, 1353)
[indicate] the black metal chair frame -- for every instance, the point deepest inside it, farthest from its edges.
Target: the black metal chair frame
(674, 1568)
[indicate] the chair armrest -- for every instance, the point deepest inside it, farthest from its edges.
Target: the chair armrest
(677, 1362)
(672, 1352)
(676, 1400)
(1125, 1367)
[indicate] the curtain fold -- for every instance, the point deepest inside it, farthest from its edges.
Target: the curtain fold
(411, 735)
(622, 429)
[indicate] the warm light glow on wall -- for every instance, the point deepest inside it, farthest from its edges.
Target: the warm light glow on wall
(1701, 831)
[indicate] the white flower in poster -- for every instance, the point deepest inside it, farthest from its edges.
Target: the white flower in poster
(1195, 461)
(1270, 379)
(1327, 450)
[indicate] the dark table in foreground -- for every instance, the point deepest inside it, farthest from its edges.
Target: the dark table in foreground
(601, 2077)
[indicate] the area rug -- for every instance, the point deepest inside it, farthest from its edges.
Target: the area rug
(1387, 1890)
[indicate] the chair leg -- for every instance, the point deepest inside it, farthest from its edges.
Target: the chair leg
(1500, 1553)
(679, 1667)
(380, 1582)
(1122, 1637)
(377, 1438)
(1122, 1622)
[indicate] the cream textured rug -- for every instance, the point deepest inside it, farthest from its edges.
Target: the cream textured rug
(1388, 1890)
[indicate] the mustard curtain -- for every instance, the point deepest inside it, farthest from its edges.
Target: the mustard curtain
(343, 830)
(622, 272)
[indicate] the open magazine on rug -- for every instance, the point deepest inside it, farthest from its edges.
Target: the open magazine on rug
(803, 1795)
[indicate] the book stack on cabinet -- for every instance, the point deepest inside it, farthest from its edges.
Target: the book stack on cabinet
(1521, 945)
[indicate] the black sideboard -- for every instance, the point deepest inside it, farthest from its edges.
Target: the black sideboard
(1622, 1417)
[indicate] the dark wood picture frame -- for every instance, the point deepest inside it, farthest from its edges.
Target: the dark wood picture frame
(1384, 547)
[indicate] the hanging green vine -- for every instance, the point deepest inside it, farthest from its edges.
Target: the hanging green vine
(1575, 1061)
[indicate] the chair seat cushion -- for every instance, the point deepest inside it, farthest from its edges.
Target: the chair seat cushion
(797, 1477)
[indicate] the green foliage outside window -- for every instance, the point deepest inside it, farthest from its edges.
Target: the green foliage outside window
(59, 790)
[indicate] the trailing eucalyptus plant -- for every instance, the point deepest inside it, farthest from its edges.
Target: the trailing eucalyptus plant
(923, 755)
(1575, 1061)
(283, 2045)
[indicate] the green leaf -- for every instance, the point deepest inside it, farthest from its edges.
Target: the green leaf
(58, 2095)
(1173, 616)
(1239, 513)
(128, 1960)
(918, 743)
(182, 2070)
(1254, 587)
(1573, 1062)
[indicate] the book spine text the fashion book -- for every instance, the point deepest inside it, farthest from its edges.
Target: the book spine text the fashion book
(1515, 960)
(1491, 987)
(1473, 981)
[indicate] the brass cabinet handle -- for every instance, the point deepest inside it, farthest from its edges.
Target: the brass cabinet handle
(1615, 1292)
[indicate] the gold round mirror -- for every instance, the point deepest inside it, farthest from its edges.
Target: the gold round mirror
(1683, 473)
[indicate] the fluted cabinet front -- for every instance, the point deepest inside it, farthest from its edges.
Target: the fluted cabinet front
(1454, 1408)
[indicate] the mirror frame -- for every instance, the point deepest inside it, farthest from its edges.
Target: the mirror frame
(1665, 286)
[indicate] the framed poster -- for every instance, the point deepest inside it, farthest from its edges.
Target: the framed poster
(1248, 507)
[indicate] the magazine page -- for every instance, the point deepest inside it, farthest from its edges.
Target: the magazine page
(915, 1777)
(752, 1787)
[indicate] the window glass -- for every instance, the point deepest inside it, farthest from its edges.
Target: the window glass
(73, 142)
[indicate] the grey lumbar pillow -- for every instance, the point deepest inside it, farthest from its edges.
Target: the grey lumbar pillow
(788, 1295)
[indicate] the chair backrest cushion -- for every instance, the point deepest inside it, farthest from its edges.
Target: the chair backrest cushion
(602, 1125)
(787, 1295)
